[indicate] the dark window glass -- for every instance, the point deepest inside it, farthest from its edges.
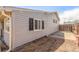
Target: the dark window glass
(42, 24)
(36, 24)
(39, 24)
(30, 23)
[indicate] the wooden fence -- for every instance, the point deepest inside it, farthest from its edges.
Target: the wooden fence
(66, 27)
(76, 29)
(70, 27)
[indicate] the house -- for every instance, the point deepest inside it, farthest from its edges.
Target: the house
(20, 25)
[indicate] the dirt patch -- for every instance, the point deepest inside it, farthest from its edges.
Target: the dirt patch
(40, 45)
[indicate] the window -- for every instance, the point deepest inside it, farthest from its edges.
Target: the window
(31, 24)
(36, 24)
(39, 24)
(42, 24)
(54, 21)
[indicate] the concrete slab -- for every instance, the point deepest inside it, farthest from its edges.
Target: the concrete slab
(64, 35)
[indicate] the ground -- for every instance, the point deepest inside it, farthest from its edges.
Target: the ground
(0, 45)
(3, 47)
(59, 41)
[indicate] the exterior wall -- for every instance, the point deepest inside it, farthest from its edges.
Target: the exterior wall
(20, 26)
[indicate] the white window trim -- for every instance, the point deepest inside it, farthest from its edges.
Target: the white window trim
(38, 24)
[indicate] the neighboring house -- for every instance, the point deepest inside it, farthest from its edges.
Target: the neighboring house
(24, 25)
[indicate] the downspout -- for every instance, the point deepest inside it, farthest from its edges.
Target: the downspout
(10, 38)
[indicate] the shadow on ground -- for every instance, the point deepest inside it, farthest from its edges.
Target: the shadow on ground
(3, 46)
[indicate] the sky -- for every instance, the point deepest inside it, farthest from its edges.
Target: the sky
(65, 12)
(50, 8)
